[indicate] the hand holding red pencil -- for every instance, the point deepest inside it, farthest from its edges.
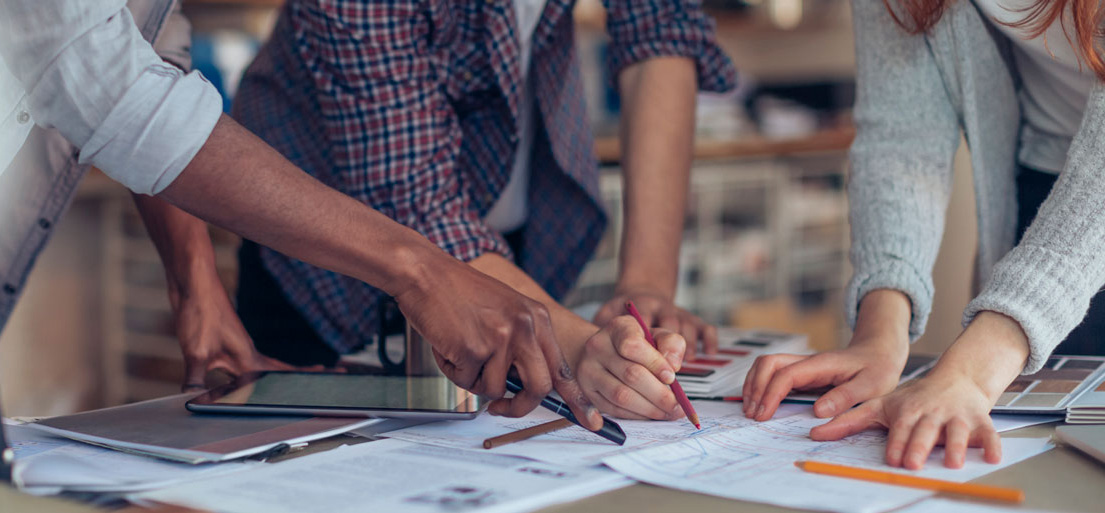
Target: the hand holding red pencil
(676, 388)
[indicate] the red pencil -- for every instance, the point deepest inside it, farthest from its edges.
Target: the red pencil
(676, 388)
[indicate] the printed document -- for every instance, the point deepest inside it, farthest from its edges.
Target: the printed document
(575, 445)
(756, 463)
(393, 476)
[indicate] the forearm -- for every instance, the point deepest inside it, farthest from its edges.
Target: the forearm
(238, 182)
(571, 330)
(883, 320)
(991, 352)
(181, 240)
(657, 147)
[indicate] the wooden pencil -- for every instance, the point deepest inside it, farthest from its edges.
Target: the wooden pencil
(969, 489)
(676, 388)
(525, 434)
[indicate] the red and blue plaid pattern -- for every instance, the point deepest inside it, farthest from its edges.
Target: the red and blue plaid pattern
(411, 107)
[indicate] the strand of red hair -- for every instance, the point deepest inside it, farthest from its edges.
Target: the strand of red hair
(1085, 16)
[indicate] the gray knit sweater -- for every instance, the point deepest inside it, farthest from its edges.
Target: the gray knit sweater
(914, 95)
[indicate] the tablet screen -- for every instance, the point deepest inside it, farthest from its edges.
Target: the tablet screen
(344, 391)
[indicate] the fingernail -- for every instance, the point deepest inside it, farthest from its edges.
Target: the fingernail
(750, 410)
(672, 359)
(667, 376)
(825, 409)
(594, 416)
(759, 411)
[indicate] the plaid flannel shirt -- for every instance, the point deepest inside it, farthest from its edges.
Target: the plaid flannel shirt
(411, 107)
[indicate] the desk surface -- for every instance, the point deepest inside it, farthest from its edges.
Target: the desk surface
(1062, 479)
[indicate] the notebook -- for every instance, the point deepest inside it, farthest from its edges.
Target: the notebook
(1071, 385)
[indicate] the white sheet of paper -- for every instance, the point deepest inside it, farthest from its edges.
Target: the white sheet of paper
(46, 465)
(1008, 422)
(756, 463)
(575, 445)
(393, 476)
(941, 505)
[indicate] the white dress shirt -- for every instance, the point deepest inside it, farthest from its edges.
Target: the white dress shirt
(83, 67)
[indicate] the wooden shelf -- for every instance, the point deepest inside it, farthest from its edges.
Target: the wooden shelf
(832, 139)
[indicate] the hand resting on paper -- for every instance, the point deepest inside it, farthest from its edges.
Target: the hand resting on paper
(870, 366)
(949, 406)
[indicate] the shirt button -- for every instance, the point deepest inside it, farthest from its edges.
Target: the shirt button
(9, 288)
(467, 76)
(44, 223)
(23, 117)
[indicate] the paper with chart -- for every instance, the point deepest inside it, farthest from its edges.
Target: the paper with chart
(575, 445)
(393, 476)
(756, 463)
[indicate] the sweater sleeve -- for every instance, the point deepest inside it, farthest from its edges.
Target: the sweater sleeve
(1047, 281)
(901, 163)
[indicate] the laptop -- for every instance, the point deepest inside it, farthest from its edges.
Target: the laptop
(1088, 438)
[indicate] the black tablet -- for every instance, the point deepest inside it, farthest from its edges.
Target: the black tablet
(340, 395)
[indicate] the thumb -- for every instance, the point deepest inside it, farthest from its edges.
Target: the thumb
(849, 423)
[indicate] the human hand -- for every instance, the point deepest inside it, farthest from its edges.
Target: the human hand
(210, 334)
(658, 310)
(479, 328)
(626, 376)
(869, 367)
(950, 405)
(857, 373)
(936, 410)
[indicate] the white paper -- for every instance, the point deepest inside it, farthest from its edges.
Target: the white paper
(46, 464)
(941, 505)
(393, 476)
(756, 463)
(1008, 422)
(575, 445)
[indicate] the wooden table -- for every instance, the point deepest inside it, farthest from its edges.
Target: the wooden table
(1062, 479)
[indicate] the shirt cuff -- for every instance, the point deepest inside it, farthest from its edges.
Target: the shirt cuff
(155, 129)
(893, 274)
(684, 32)
(465, 239)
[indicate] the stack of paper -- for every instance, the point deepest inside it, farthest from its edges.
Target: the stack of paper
(47, 465)
(164, 428)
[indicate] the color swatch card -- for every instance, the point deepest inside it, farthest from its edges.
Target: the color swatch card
(1074, 385)
(723, 373)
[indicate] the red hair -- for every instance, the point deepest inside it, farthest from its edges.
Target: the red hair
(1085, 15)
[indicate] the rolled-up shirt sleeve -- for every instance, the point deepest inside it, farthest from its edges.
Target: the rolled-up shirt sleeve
(643, 29)
(89, 73)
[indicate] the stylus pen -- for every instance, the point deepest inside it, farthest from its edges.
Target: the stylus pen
(610, 430)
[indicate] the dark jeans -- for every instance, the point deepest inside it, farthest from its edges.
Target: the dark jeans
(277, 328)
(1033, 188)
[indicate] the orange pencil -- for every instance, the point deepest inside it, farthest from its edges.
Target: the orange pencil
(973, 490)
(676, 388)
